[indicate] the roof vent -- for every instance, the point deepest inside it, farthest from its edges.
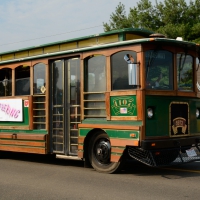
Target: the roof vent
(157, 35)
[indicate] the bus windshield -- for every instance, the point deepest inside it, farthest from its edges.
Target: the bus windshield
(159, 70)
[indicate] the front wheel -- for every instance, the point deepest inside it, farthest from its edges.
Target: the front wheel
(100, 152)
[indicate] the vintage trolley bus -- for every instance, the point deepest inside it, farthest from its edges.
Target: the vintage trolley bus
(102, 98)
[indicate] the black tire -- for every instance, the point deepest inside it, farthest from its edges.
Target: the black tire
(99, 154)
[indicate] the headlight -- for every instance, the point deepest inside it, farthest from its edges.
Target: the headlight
(197, 112)
(150, 112)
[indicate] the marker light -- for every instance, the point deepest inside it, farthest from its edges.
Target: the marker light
(149, 112)
(197, 113)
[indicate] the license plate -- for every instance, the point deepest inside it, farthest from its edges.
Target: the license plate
(191, 153)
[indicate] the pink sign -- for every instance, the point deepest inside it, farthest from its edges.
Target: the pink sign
(11, 110)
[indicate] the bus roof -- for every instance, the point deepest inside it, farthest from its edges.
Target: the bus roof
(137, 31)
(97, 41)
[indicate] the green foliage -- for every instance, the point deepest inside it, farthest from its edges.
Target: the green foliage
(118, 20)
(144, 15)
(173, 18)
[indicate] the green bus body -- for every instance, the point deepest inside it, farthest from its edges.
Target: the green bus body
(103, 98)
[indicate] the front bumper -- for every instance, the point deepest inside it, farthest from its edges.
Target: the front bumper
(169, 143)
(166, 156)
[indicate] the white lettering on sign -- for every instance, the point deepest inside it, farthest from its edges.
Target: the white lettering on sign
(11, 110)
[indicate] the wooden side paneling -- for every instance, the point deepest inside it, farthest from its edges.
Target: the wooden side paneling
(30, 110)
(108, 73)
(24, 149)
(80, 154)
(81, 139)
(107, 99)
(13, 82)
(186, 94)
(124, 118)
(22, 143)
(115, 158)
(28, 143)
(162, 93)
(82, 87)
(80, 147)
(123, 93)
(31, 80)
(22, 136)
(140, 104)
(123, 142)
(117, 150)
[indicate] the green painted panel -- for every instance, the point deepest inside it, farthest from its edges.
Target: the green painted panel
(123, 106)
(122, 133)
(113, 133)
(159, 125)
(115, 122)
(84, 131)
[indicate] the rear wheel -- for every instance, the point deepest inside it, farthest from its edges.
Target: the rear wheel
(100, 152)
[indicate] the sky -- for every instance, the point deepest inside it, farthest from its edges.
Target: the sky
(27, 23)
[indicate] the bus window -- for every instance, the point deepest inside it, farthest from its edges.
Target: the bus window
(95, 87)
(159, 70)
(39, 78)
(5, 82)
(184, 72)
(22, 80)
(119, 69)
(96, 74)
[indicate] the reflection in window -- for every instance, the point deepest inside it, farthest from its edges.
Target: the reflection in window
(39, 78)
(198, 72)
(119, 69)
(58, 87)
(159, 70)
(74, 81)
(185, 72)
(96, 74)
(95, 86)
(5, 82)
(22, 80)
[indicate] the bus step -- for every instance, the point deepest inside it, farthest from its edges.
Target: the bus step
(68, 157)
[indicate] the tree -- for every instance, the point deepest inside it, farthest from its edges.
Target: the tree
(118, 20)
(173, 18)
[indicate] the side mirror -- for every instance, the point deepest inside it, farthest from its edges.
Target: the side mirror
(133, 75)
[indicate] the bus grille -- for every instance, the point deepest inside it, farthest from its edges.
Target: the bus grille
(164, 157)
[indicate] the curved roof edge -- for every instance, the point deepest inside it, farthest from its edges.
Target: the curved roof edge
(139, 31)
